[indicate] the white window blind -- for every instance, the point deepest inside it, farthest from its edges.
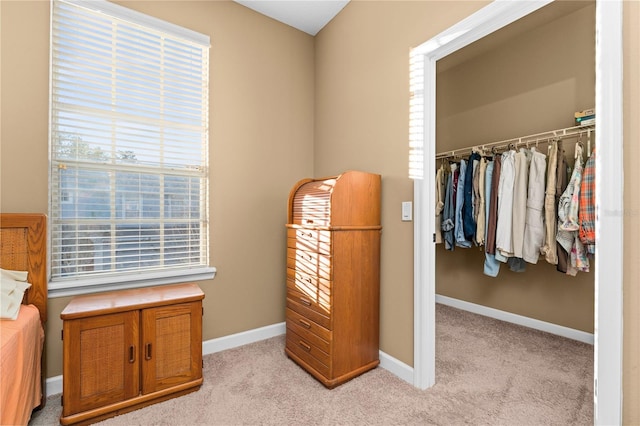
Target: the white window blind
(129, 144)
(416, 115)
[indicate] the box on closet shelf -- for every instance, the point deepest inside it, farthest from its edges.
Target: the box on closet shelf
(585, 117)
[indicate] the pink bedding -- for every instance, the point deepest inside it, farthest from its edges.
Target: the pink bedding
(20, 384)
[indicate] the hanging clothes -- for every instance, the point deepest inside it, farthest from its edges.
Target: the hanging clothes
(468, 222)
(440, 183)
(476, 196)
(504, 240)
(492, 220)
(461, 241)
(491, 265)
(481, 201)
(449, 211)
(548, 249)
(534, 222)
(520, 189)
(562, 180)
(587, 210)
(568, 226)
(518, 206)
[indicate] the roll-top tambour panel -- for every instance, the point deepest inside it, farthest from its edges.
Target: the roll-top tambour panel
(310, 263)
(312, 203)
(309, 239)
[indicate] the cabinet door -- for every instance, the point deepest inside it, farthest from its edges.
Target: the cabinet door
(171, 346)
(101, 363)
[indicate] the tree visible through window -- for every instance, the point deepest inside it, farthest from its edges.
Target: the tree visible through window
(129, 136)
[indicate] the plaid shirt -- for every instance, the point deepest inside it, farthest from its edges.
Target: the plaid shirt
(587, 209)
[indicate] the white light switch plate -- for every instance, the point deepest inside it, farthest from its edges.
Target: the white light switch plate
(407, 211)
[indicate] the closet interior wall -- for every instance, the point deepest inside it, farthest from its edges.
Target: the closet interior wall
(528, 83)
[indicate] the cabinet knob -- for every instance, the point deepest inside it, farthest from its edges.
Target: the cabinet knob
(132, 354)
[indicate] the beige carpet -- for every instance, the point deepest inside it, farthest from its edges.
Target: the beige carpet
(488, 373)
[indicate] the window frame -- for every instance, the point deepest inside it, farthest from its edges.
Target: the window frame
(82, 284)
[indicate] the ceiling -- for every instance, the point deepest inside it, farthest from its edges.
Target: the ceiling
(309, 16)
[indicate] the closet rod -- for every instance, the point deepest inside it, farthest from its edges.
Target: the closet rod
(523, 140)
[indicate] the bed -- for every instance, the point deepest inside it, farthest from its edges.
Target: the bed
(23, 248)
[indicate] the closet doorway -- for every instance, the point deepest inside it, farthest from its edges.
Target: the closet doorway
(608, 263)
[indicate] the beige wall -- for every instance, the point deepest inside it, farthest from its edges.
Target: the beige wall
(524, 82)
(261, 143)
(530, 83)
(362, 110)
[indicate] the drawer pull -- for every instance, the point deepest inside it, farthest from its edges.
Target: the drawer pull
(304, 346)
(132, 354)
(147, 352)
(304, 323)
(305, 301)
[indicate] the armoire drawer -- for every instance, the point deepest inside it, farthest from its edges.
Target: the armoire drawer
(320, 303)
(304, 323)
(309, 337)
(294, 304)
(305, 282)
(315, 297)
(310, 263)
(308, 352)
(315, 240)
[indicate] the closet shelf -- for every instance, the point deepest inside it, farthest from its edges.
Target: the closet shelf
(520, 141)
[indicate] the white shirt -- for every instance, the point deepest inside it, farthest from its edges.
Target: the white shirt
(504, 240)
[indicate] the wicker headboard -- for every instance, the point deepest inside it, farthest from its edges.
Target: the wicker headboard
(23, 247)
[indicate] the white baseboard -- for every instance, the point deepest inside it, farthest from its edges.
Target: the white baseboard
(548, 327)
(403, 371)
(396, 367)
(54, 385)
(243, 338)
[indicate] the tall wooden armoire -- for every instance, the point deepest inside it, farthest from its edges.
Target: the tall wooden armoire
(333, 276)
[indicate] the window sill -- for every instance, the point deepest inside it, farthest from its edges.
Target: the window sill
(95, 285)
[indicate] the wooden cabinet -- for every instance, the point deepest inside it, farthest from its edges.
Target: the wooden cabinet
(333, 276)
(127, 349)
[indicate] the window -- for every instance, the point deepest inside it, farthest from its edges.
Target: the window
(416, 115)
(129, 149)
